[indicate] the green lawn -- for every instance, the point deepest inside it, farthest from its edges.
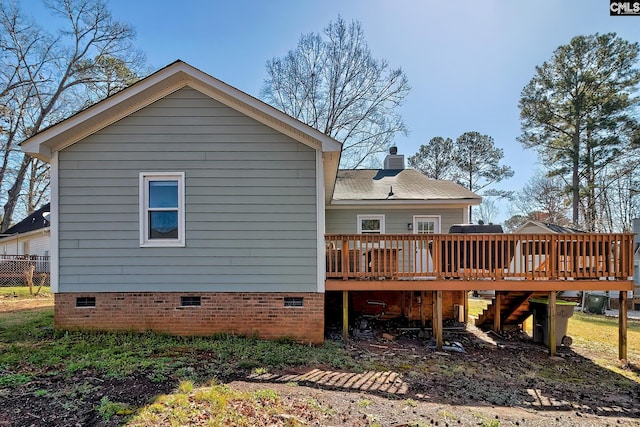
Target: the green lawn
(68, 367)
(28, 342)
(64, 368)
(589, 331)
(21, 292)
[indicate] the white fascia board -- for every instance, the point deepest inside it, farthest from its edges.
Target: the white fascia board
(43, 230)
(54, 244)
(399, 204)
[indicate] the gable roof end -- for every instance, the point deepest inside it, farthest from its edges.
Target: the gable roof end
(156, 86)
(547, 227)
(164, 82)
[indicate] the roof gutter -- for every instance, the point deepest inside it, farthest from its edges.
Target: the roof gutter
(401, 203)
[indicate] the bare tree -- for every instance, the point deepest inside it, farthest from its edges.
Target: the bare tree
(47, 77)
(617, 195)
(544, 198)
(487, 211)
(514, 222)
(332, 83)
(37, 179)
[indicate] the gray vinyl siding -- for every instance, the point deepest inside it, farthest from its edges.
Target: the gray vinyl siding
(346, 220)
(250, 203)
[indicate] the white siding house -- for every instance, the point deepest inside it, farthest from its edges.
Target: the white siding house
(31, 236)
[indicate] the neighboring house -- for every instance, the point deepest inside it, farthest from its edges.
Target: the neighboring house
(536, 254)
(31, 236)
(184, 205)
(636, 278)
(532, 226)
(25, 245)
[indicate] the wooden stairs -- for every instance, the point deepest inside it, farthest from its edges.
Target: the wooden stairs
(514, 308)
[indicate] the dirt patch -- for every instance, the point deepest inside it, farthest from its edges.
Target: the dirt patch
(493, 382)
(9, 303)
(339, 408)
(480, 379)
(74, 401)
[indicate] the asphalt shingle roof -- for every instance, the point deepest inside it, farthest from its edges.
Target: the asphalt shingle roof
(396, 184)
(560, 229)
(35, 221)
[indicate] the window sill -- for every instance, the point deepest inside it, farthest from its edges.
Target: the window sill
(162, 245)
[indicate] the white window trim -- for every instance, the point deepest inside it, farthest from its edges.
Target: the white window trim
(376, 216)
(437, 218)
(145, 242)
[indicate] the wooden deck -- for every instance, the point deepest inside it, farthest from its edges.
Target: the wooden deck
(524, 263)
(479, 261)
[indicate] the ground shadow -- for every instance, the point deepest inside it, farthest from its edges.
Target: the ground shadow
(504, 372)
(484, 370)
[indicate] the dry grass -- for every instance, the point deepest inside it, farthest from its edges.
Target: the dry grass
(597, 331)
(20, 303)
(220, 405)
(476, 305)
(592, 332)
(8, 293)
(28, 335)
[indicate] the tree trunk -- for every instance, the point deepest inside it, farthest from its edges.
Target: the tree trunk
(575, 179)
(14, 193)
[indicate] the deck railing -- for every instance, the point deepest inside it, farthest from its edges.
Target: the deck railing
(480, 256)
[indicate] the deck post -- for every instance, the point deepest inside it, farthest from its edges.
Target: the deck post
(423, 317)
(551, 323)
(345, 316)
(437, 318)
(497, 305)
(410, 309)
(622, 327)
(466, 307)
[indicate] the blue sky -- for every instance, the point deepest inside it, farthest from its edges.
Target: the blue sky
(467, 61)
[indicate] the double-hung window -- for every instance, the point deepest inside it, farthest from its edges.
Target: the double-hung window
(370, 224)
(162, 209)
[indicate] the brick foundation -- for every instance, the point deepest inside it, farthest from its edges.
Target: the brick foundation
(243, 313)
